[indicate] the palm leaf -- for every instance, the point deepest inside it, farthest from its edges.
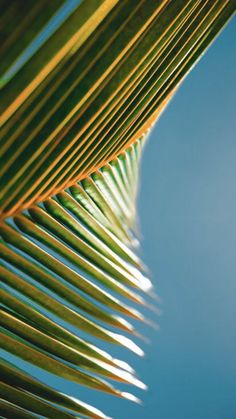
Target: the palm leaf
(81, 85)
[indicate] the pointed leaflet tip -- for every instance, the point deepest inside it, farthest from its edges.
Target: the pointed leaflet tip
(144, 282)
(124, 365)
(131, 397)
(127, 343)
(91, 410)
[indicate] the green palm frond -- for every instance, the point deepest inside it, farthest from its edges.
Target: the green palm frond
(76, 245)
(82, 82)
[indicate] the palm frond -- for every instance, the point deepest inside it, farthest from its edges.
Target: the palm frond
(66, 257)
(83, 92)
(81, 85)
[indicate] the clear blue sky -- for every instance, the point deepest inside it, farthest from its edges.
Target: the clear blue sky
(188, 218)
(187, 208)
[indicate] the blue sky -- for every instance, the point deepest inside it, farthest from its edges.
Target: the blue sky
(187, 212)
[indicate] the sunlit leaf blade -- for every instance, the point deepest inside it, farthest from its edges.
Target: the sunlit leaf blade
(42, 360)
(32, 336)
(17, 378)
(97, 227)
(54, 347)
(43, 323)
(28, 402)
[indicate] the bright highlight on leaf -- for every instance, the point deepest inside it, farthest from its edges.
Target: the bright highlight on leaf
(82, 83)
